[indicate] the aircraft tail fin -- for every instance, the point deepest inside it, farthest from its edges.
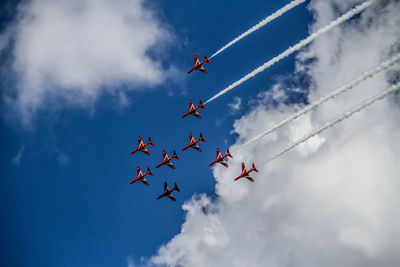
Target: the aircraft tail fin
(229, 153)
(254, 168)
(177, 188)
(201, 138)
(149, 172)
(151, 142)
(201, 105)
(206, 59)
(175, 155)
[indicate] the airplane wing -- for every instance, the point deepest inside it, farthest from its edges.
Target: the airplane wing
(223, 163)
(164, 155)
(138, 171)
(243, 168)
(160, 196)
(203, 70)
(196, 146)
(250, 179)
(172, 197)
(145, 181)
(145, 151)
(196, 114)
(165, 186)
(169, 163)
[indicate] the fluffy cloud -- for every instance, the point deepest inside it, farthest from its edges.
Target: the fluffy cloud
(75, 50)
(332, 201)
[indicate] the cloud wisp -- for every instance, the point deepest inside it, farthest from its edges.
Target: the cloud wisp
(261, 24)
(356, 10)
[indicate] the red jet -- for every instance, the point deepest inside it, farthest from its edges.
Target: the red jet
(167, 160)
(193, 143)
(193, 110)
(245, 173)
(141, 176)
(220, 158)
(142, 147)
(168, 193)
(199, 65)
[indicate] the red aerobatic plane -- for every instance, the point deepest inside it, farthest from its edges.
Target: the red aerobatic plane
(245, 173)
(193, 143)
(193, 110)
(141, 176)
(168, 192)
(199, 65)
(142, 147)
(220, 158)
(167, 160)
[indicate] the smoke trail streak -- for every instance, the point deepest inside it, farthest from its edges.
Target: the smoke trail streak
(356, 10)
(338, 119)
(262, 23)
(366, 75)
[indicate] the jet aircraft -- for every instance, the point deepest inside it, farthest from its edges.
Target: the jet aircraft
(199, 65)
(245, 173)
(220, 158)
(168, 192)
(142, 147)
(167, 160)
(193, 143)
(141, 176)
(193, 109)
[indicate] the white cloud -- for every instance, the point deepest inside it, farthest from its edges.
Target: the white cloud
(236, 104)
(17, 159)
(75, 50)
(130, 261)
(333, 202)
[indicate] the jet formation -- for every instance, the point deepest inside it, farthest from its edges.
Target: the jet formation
(193, 143)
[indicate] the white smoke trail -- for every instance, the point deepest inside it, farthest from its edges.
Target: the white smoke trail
(338, 119)
(366, 75)
(262, 23)
(356, 10)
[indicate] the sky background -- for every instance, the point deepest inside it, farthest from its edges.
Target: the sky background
(74, 103)
(68, 201)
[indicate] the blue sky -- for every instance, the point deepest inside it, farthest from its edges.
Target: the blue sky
(67, 201)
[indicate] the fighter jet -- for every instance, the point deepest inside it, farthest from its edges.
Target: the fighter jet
(142, 147)
(193, 110)
(167, 160)
(168, 192)
(245, 173)
(199, 65)
(193, 143)
(220, 158)
(141, 176)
